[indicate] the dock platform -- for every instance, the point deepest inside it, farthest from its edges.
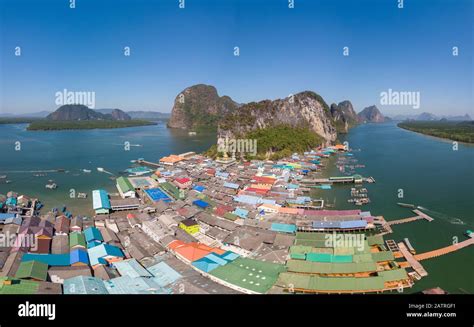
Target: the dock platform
(412, 261)
(423, 215)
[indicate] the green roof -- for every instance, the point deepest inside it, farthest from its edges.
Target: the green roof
(18, 286)
(393, 275)
(32, 269)
(76, 238)
(124, 184)
(375, 240)
(230, 216)
(254, 275)
(327, 257)
(383, 256)
(326, 284)
(171, 189)
(329, 267)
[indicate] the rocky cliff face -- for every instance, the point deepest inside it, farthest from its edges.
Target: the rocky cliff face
(306, 109)
(371, 115)
(199, 107)
(344, 116)
(81, 112)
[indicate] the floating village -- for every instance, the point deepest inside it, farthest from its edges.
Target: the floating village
(190, 224)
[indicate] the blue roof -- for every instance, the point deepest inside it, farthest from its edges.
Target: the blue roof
(11, 202)
(97, 253)
(231, 185)
(222, 174)
(242, 213)
(100, 200)
(4, 216)
(199, 188)
(128, 285)
(213, 261)
(229, 256)
(354, 224)
(78, 256)
(340, 224)
(201, 203)
(164, 274)
(285, 228)
(84, 285)
(49, 259)
(93, 234)
(131, 268)
(91, 244)
(206, 264)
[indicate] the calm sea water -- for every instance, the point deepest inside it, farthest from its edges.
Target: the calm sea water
(431, 175)
(428, 171)
(78, 150)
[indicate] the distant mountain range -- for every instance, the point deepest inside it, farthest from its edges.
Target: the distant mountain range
(133, 114)
(426, 116)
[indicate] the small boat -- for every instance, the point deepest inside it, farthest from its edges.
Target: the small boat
(191, 133)
(409, 246)
(100, 169)
(51, 186)
(3, 176)
(406, 205)
(87, 171)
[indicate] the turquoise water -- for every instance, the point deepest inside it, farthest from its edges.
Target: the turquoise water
(85, 149)
(430, 173)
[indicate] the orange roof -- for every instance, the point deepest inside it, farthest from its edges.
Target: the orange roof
(262, 186)
(175, 244)
(195, 251)
(340, 147)
(171, 159)
(293, 211)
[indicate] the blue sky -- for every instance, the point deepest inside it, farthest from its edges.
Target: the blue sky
(282, 51)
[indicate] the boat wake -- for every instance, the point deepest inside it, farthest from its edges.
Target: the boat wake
(442, 216)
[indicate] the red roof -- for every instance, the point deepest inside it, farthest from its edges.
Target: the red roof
(256, 190)
(211, 171)
(222, 210)
(183, 180)
(264, 180)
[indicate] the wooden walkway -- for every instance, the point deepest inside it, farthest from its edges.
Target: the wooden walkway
(403, 220)
(423, 215)
(148, 163)
(412, 261)
(419, 215)
(445, 250)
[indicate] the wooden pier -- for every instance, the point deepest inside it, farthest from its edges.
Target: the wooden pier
(412, 260)
(404, 220)
(445, 250)
(148, 163)
(419, 215)
(423, 215)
